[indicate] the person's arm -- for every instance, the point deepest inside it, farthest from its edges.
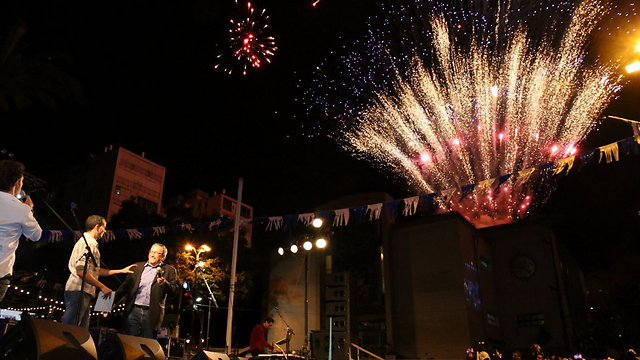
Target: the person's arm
(92, 281)
(125, 270)
(30, 227)
(264, 342)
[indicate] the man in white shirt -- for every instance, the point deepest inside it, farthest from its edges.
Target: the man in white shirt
(16, 219)
(73, 297)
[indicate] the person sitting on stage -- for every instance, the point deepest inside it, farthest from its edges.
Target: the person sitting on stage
(258, 340)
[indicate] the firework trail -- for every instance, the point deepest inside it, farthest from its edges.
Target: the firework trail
(249, 45)
(445, 97)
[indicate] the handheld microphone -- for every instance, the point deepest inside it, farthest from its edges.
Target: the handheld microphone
(160, 272)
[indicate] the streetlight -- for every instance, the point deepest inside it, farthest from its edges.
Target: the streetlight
(197, 264)
(307, 246)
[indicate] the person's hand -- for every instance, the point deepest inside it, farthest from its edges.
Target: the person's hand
(127, 270)
(28, 201)
(106, 291)
(161, 281)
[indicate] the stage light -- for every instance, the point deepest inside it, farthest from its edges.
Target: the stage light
(294, 248)
(317, 223)
(280, 251)
(321, 243)
(307, 245)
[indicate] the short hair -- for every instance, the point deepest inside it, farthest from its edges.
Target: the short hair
(10, 172)
(165, 251)
(269, 320)
(92, 221)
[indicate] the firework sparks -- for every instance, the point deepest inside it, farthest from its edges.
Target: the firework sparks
(489, 99)
(250, 46)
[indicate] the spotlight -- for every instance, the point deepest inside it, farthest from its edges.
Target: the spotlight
(280, 251)
(307, 245)
(294, 248)
(321, 243)
(317, 223)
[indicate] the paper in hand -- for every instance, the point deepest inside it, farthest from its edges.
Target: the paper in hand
(103, 304)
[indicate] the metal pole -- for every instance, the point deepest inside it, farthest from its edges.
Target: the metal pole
(330, 336)
(234, 261)
(306, 304)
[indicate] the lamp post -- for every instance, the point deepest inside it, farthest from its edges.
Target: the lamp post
(631, 68)
(307, 246)
(197, 264)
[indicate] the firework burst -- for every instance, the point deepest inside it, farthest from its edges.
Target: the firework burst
(465, 96)
(249, 45)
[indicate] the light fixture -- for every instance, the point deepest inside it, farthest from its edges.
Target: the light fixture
(201, 264)
(280, 251)
(188, 247)
(321, 243)
(198, 299)
(317, 222)
(205, 248)
(294, 248)
(307, 245)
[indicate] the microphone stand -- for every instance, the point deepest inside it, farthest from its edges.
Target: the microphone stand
(289, 331)
(206, 345)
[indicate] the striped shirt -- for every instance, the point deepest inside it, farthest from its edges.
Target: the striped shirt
(76, 264)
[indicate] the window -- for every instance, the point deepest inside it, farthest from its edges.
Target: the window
(117, 189)
(245, 212)
(227, 204)
(530, 320)
(493, 320)
(148, 205)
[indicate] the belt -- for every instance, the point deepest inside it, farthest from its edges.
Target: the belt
(143, 307)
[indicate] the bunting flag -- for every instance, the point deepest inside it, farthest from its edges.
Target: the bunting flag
(564, 163)
(108, 236)
(134, 234)
(341, 217)
(55, 236)
(158, 230)
(359, 214)
(77, 235)
(524, 176)
(485, 185)
(447, 195)
(466, 190)
(631, 146)
(392, 206)
(214, 224)
(306, 219)
(187, 227)
(275, 222)
(410, 205)
(585, 158)
(374, 211)
(610, 152)
(501, 180)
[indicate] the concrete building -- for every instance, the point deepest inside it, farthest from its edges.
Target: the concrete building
(100, 185)
(446, 286)
(203, 205)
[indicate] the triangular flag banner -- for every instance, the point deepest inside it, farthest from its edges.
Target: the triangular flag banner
(546, 170)
(77, 235)
(158, 230)
(466, 190)
(134, 234)
(289, 221)
(275, 222)
(214, 224)
(447, 195)
(393, 208)
(501, 180)
(485, 185)
(427, 200)
(108, 236)
(410, 205)
(341, 218)
(631, 146)
(585, 158)
(306, 219)
(187, 227)
(564, 163)
(524, 176)
(55, 236)
(374, 211)
(610, 152)
(359, 213)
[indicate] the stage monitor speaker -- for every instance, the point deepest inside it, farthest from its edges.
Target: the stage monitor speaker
(209, 355)
(320, 345)
(38, 339)
(127, 347)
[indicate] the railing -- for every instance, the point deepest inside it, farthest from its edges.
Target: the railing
(359, 349)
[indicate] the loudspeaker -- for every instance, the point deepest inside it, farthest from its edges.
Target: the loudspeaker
(37, 339)
(127, 347)
(209, 355)
(320, 345)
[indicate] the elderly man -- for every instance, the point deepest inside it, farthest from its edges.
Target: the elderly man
(16, 219)
(74, 297)
(146, 290)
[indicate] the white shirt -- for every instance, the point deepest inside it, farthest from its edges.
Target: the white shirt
(16, 219)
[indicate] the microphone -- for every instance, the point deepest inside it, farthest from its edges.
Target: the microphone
(160, 271)
(74, 207)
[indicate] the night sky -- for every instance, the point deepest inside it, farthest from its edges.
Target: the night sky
(140, 74)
